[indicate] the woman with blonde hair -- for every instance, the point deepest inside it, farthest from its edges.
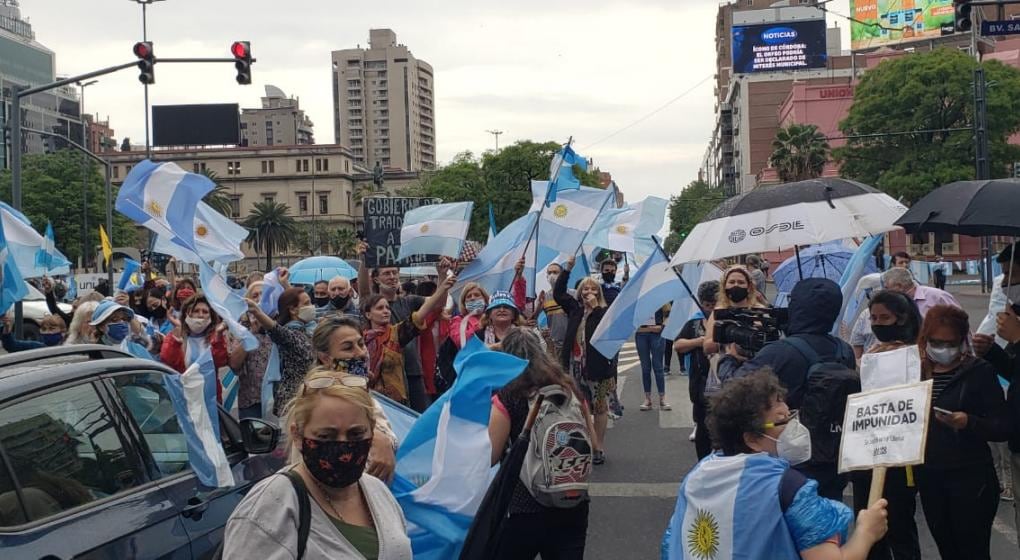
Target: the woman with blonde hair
(330, 423)
(80, 331)
(736, 290)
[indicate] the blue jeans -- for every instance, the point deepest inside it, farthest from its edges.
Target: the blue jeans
(649, 348)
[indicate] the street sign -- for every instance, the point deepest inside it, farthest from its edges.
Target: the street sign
(1002, 27)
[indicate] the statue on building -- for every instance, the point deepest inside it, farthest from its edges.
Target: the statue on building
(377, 176)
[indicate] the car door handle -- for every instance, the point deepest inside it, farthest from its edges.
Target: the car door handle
(195, 508)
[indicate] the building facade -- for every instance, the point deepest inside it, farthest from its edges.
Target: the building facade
(279, 122)
(99, 137)
(383, 106)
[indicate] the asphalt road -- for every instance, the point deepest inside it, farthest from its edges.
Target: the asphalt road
(647, 454)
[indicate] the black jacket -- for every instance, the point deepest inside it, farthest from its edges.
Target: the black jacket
(974, 389)
(1007, 364)
(814, 306)
(597, 366)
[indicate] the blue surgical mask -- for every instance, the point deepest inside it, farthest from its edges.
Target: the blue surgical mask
(475, 306)
(117, 331)
(51, 339)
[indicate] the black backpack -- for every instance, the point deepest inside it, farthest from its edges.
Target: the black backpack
(304, 517)
(821, 398)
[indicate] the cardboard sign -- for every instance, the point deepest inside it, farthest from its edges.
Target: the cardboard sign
(888, 369)
(384, 216)
(885, 428)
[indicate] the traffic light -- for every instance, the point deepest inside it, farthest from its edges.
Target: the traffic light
(146, 62)
(242, 61)
(963, 19)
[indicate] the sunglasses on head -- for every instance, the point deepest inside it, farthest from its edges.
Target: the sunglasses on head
(353, 381)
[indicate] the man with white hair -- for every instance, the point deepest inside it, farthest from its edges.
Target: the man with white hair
(341, 299)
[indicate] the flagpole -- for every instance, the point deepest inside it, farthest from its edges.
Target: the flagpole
(538, 220)
(680, 276)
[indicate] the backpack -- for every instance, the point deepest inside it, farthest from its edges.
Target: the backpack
(558, 460)
(304, 517)
(821, 398)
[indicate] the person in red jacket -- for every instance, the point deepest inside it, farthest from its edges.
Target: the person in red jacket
(199, 330)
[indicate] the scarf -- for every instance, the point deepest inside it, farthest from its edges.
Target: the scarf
(377, 341)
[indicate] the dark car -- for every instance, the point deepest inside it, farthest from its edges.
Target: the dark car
(93, 463)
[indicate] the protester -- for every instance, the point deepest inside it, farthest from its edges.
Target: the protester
(52, 331)
(320, 295)
(736, 290)
(754, 265)
(556, 319)
(81, 331)
(48, 290)
(667, 345)
(938, 274)
(341, 299)
(649, 345)
(199, 331)
(183, 290)
(296, 311)
(610, 287)
(250, 367)
(593, 372)
(901, 259)
(958, 485)
(690, 344)
(353, 514)
(386, 341)
(115, 323)
(158, 313)
(454, 331)
(749, 484)
(531, 529)
(293, 345)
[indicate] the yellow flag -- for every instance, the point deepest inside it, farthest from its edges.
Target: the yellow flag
(107, 249)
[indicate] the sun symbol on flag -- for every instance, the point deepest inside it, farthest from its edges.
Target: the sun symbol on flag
(621, 229)
(560, 211)
(703, 536)
(424, 228)
(155, 209)
(201, 230)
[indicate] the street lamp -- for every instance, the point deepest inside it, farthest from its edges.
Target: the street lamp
(84, 175)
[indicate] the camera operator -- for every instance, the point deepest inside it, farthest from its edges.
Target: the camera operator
(736, 291)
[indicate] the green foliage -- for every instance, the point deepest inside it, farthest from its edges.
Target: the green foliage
(271, 228)
(799, 152)
(218, 198)
(927, 91)
(688, 208)
(343, 241)
(503, 178)
(51, 191)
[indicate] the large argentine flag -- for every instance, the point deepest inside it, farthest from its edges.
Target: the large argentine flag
(12, 285)
(163, 198)
(852, 274)
(567, 221)
(684, 305)
(493, 268)
(438, 229)
(618, 228)
(217, 239)
(25, 245)
(193, 394)
(443, 468)
(49, 257)
(227, 305)
(654, 285)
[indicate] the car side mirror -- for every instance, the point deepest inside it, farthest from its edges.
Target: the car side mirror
(259, 436)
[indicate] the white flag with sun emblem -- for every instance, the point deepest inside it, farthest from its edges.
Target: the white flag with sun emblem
(163, 198)
(436, 229)
(217, 239)
(617, 228)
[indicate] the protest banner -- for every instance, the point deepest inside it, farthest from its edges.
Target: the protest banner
(885, 428)
(901, 366)
(384, 216)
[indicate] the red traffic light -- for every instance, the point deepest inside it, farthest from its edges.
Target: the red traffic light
(241, 49)
(143, 49)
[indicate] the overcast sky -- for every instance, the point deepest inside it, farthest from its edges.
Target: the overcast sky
(535, 69)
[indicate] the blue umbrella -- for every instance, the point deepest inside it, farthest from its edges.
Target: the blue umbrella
(825, 260)
(313, 269)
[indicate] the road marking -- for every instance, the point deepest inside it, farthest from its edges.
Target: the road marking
(620, 381)
(676, 394)
(1005, 530)
(633, 489)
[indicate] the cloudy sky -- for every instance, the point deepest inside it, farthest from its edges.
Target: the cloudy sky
(535, 69)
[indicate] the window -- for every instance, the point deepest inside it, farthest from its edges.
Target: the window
(302, 204)
(65, 451)
(272, 166)
(268, 166)
(195, 167)
(304, 165)
(321, 164)
(265, 166)
(350, 205)
(347, 165)
(318, 164)
(297, 166)
(323, 204)
(116, 172)
(235, 207)
(268, 197)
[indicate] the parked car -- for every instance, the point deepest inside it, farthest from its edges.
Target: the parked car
(93, 463)
(33, 309)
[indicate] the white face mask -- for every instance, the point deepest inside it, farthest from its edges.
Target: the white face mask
(196, 325)
(943, 356)
(306, 313)
(553, 277)
(794, 444)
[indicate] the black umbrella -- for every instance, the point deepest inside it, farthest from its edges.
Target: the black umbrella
(823, 189)
(967, 208)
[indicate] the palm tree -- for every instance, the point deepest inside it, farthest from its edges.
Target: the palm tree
(271, 228)
(217, 198)
(799, 152)
(344, 241)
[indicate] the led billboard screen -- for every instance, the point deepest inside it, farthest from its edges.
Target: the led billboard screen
(884, 22)
(778, 47)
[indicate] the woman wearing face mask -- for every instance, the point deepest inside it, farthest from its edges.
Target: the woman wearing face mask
(52, 331)
(155, 303)
(199, 332)
(293, 344)
(353, 514)
(453, 332)
(250, 367)
(736, 290)
(592, 371)
(114, 323)
(183, 290)
(782, 514)
(297, 312)
(958, 485)
(80, 331)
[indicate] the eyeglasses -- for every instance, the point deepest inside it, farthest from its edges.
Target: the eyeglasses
(354, 381)
(778, 423)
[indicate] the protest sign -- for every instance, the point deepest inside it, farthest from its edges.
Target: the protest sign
(885, 428)
(86, 283)
(384, 216)
(901, 366)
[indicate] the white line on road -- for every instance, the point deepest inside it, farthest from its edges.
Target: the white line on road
(676, 394)
(1005, 530)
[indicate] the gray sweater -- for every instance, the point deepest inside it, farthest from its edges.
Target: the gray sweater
(265, 525)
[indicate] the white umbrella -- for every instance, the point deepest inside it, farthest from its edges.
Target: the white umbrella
(790, 215)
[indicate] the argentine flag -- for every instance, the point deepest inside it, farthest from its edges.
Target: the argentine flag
(566, 223)
(621, 229)
(654, 285)
(493, 230)
(443, 468)
(437, 229)
(49, 257)
(193, 394)
(684, 306)
(493, 268)
(12, 285)
(217, 239)
(164, 198)
(227, 304)
(130, 279)
(25, 245)
(272, 289)
(561, 173)
(852, 274)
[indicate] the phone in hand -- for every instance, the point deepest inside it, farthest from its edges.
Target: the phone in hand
(941, 410)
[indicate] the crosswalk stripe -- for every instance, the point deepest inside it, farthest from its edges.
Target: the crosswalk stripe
(676, 394)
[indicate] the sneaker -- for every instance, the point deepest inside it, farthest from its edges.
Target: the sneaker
(1007, 495)
(694, 433)
(647, 405)
(598, 457)
(614, 417)
(663, 405)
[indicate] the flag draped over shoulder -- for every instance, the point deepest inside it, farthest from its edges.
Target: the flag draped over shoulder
(34, 254)
(436, 229)
(217, 239)
(443, 468)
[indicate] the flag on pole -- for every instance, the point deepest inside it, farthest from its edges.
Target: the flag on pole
(561, 172)
(272, 289)
(48, 257)
(227, 304)
(164, 198)
(493, 268)
(654, 285)
(193, 394)
(130, 278)
(105, 242)
(622, 229)
(217, 239)
(852, 274)
(436, 229)
(568, 221)
(28, 248)
(12, 286)
(684, 306)
(492, 223)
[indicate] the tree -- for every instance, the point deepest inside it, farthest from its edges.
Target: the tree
(271, 228)
(689, 208)
(928, 93)
(343, 242)
(51, 187)
(125, 146)
(799, 152)
(219, 197)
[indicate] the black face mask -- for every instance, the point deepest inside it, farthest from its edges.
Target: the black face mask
(158, 313)
(336, 464)
(736, 294)
(340, 302)
(890, 333)
(609, 277)
(320, 301)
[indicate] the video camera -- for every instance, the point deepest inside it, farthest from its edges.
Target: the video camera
(751, 328)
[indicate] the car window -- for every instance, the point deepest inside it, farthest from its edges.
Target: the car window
(64, 452)
(149, 404)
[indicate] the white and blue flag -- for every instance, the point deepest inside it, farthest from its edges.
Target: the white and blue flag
(164, 198)
(25, 244)
(493, 230)
(443, 465)
(193, 394)
(684, 306)
(48, 257)
(654, 285)
(561, 172)
(130, 279)
(12, 285)
(567, 222)
(227, 304)
(272, 289)
(493, 268)
(622, 229)
(217, 239)
(852, 274)
(436, 229)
